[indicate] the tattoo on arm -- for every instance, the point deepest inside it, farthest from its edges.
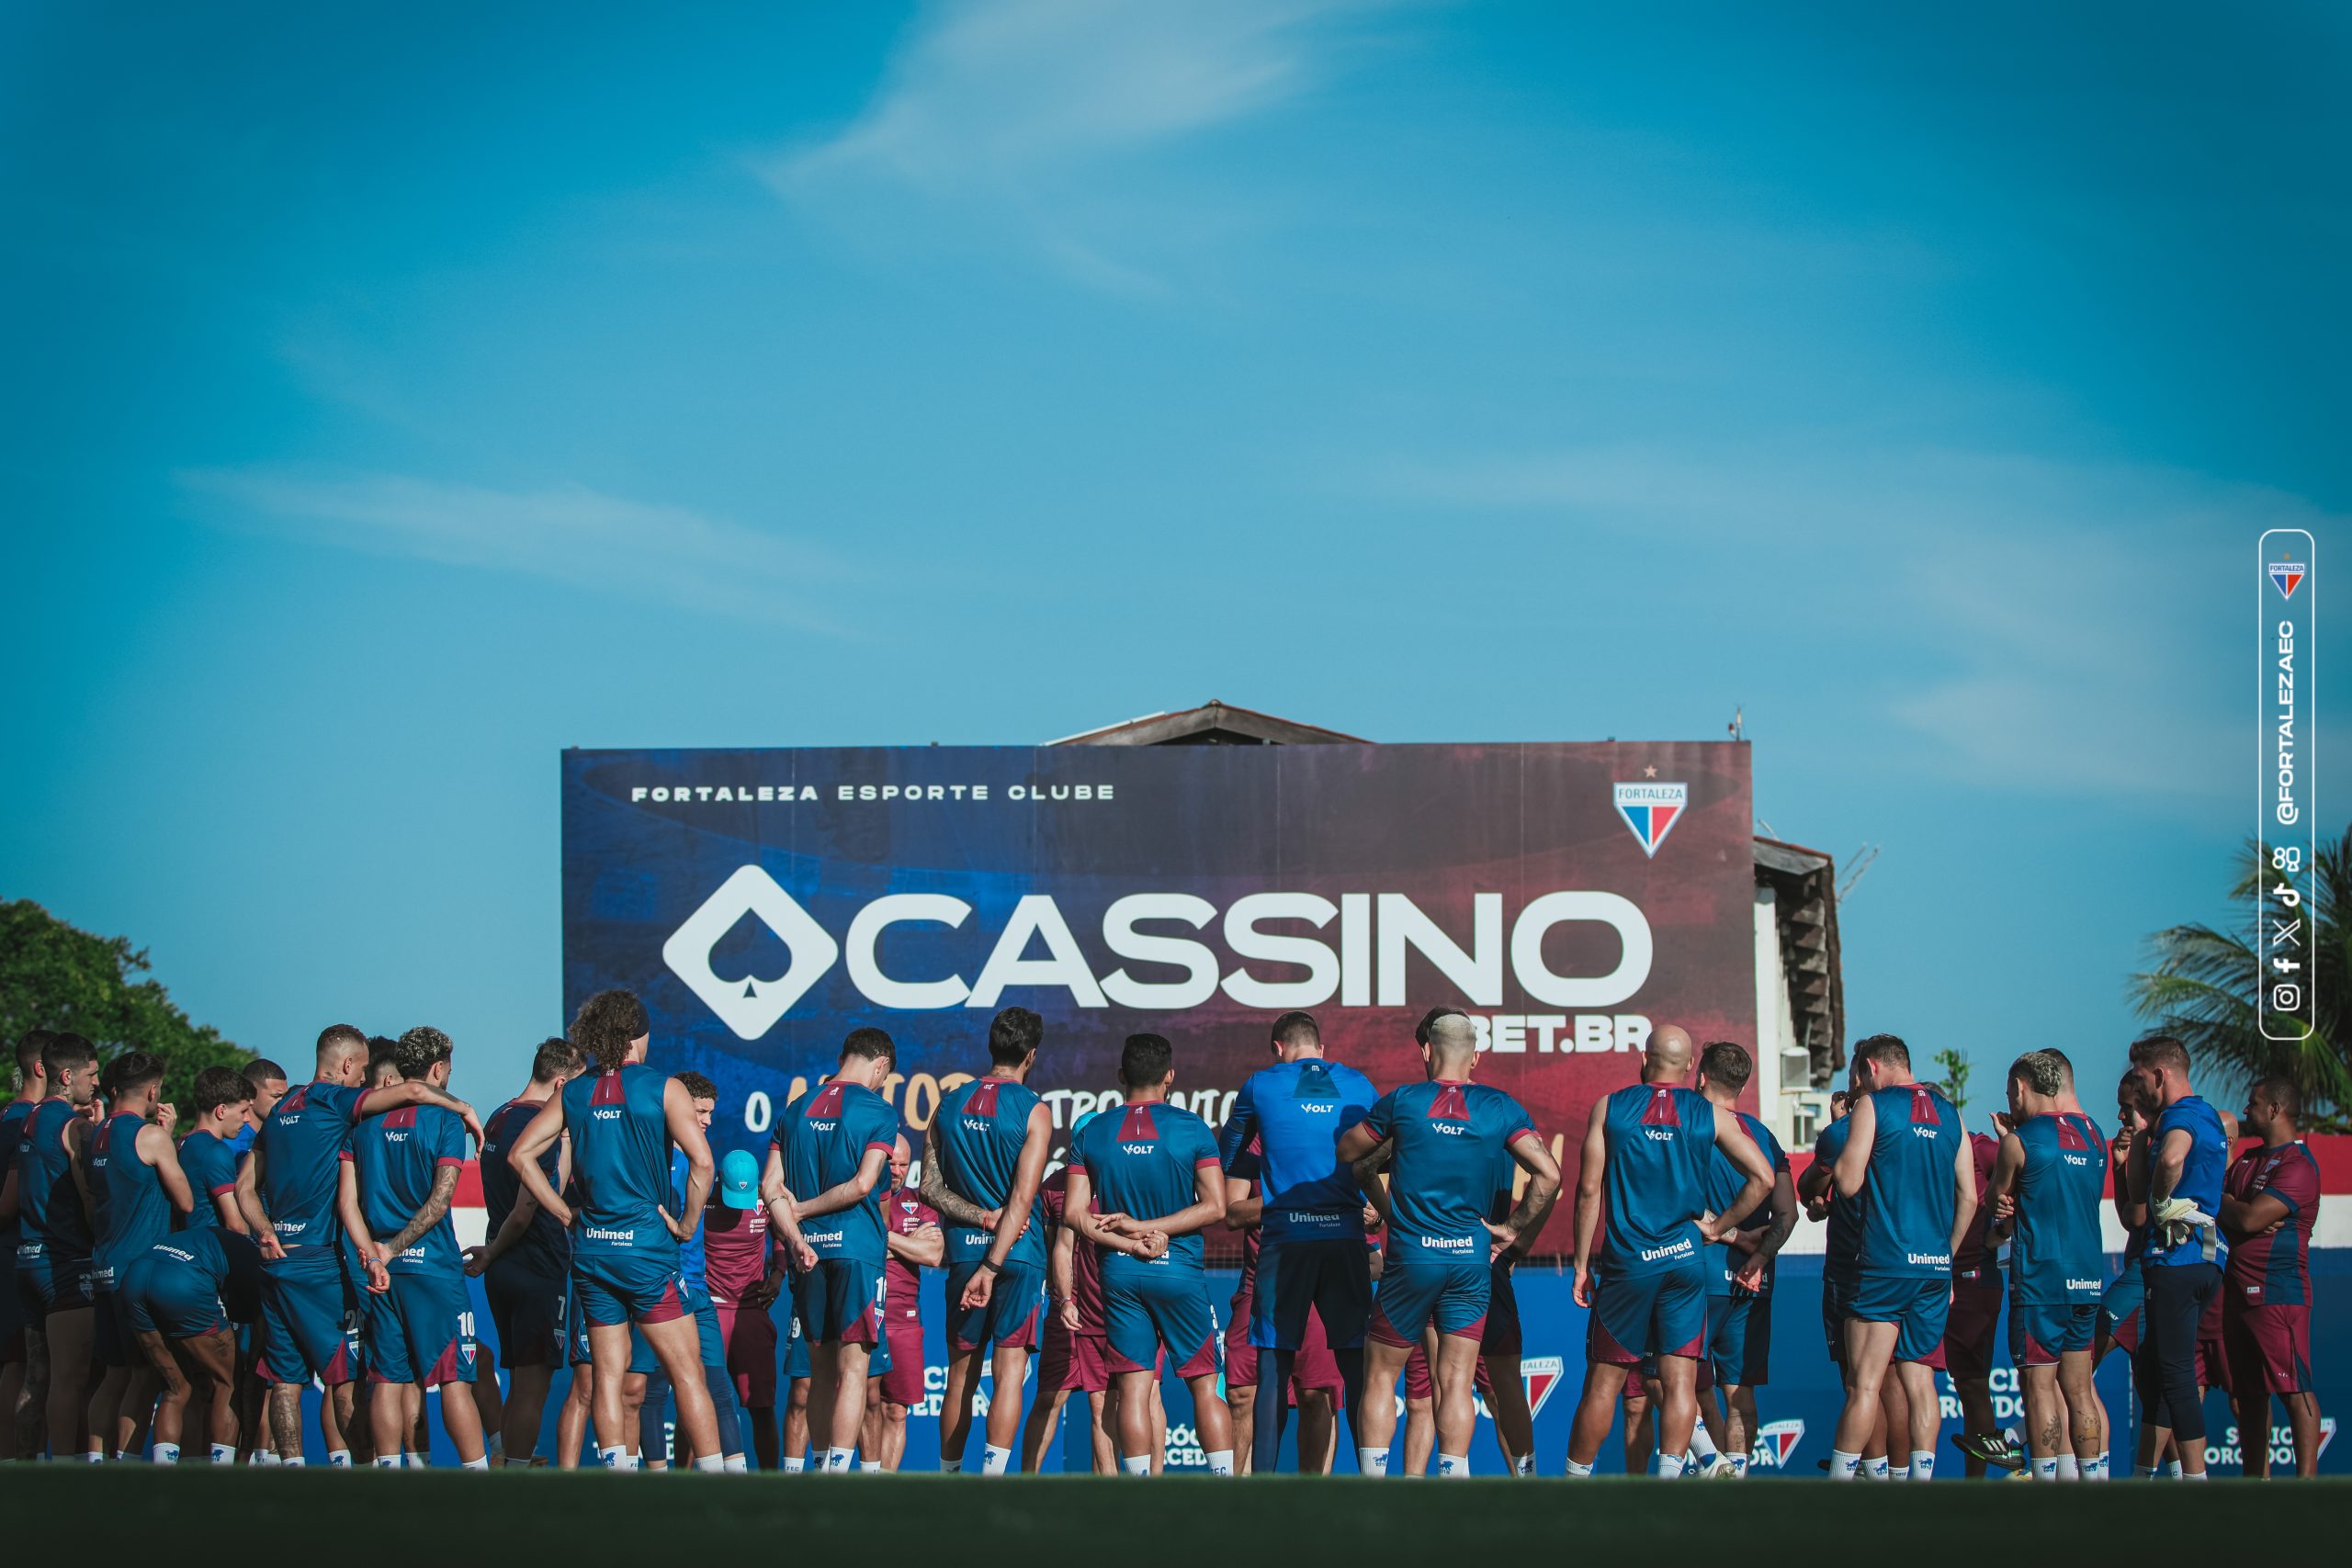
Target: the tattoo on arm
(950, 1206)
(445, 1187)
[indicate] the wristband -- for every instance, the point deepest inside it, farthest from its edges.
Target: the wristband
(991, 1267)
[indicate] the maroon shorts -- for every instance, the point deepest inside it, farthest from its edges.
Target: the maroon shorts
(903, 1383)
(1312, 1365)
(749, 1334)
(1067, 1359)
(1974, 1321)
(2269, 1347)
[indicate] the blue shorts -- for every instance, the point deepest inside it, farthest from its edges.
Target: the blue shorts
(306, 1314)
(178, 1301)
(2039, 1335)
(613, 1288)
(841, 1299)
(1638, 1316)
(1010, 1317)
(1147, 1306)
(1919, 1306)
(526, 1308)
(796, 1350)
(48, 1283)
(576, 1328)
(2121, 1307)
(1739, 1339)
(1328, 1277)
(1413, 1293)
(712, 1347)
(422, 1331)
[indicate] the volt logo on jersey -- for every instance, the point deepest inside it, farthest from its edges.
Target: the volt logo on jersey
(1651, 810)
(750, 1008)
(2286, 574)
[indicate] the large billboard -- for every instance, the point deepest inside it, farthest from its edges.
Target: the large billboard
(1571, 897)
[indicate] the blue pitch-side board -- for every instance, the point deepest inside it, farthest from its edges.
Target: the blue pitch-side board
(1804, 1387)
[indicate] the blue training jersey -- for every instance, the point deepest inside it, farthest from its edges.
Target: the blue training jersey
(545, 1247)
(824, 1136)
(1906, 1224)
(1442, 1177)
(131, 1209)
(1298, 1112)
(620, 1163)
(977, 1137)
(47, 1198)
(2056, 1255)
(210, 1163)
(2173, 1247)
(1144, 1162)
(1725, 1182)
(300, 1146)
(692, 1266)
(13, 1117)
(1661, 1141)
(1841, 1248)
(397, 1157)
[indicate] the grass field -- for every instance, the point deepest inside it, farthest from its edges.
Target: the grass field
(544, 1520)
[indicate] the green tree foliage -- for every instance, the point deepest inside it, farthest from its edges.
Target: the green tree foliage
(53, 976)
(2204, 985)
(1955, 1079)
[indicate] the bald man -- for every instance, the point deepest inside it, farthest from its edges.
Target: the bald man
(1648, 1150)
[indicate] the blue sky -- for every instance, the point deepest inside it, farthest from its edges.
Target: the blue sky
(399, 394)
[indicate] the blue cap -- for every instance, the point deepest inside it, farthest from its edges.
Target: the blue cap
(738, 1179)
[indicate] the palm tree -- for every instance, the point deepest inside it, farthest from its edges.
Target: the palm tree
(2205, 987)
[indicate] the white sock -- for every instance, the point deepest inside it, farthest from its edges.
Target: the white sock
(1220, 1461)
(418, 1461)
(123, 1457)
(1878, 1469)
(615, 1458)
(224, 1453)
(1739, 1465)
(495, 1447)
(1452, 1465)
(2144, 1472)
(838, 1460)
(2045, 1470)
(1923, 1465)
(869, 1467)
(1702, 1444)
(1373, 1461)
(994, 1459)
(1844, 1466)
(1895, 1472)
(265, 1457)
(795, 1463)
(710, 1464)
(387, 1462)
(2069, 1468)
(339, 1458)
(2097, 1469)
(1522, 1464)
(1669, 1465)
(294, 1463)
(1139, 1465)
(950, 1466)
(2191, 1475)
(481, 1463)
(2173, 1470)
(738, 1465)
(166, 1453)
(1575, 1470)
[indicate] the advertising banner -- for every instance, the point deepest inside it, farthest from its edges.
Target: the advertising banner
(1571, 897)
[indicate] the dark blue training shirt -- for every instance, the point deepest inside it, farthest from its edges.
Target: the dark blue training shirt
(825, 1136)
(620, 1162)
(977, 1137)
(1906, 1224)
(396, 1157)
(1298, 1112)
(1144, 1162)
(1661, 1142)
(1442, 1180)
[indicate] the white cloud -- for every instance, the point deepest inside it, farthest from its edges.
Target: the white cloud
(2065, 611)
(991, 108)
(567, 534)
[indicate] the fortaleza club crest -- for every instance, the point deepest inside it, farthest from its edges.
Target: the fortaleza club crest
(1542, 1375)
(1776, 1444)
(2286, 574)
(1651, 810)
